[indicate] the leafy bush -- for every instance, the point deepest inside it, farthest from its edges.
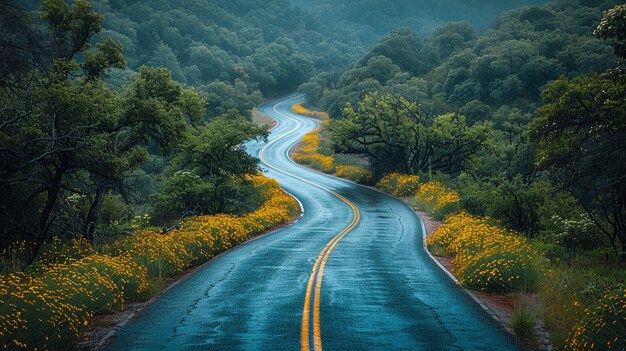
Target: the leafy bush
(183, 191)
(552, 252)
(446, 209)
(308, 153)
(575, 234)
(523, 320)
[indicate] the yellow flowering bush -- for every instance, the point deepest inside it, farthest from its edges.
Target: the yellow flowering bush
(399, 184)
(307, 153)
(200, 238)
(354, 173)
(324, 163)
(301, 110)
(309, 143)
(435, 195)
(602, 327)
(53, 306)
(486, 257)
(53, 310)
(162, 255)
(59, 251)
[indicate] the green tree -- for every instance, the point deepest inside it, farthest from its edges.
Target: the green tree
(404, 48)
(453, 36)
(396, 135)
(613, 28)
(66, 137)
(207, 175)
(581, 135)
(222, 96)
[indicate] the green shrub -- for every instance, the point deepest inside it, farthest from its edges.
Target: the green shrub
(354, 173)
(440, 213)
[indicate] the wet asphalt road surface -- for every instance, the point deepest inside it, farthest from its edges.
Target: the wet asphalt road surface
(379, 291)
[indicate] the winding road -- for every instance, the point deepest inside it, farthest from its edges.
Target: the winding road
(350, 274)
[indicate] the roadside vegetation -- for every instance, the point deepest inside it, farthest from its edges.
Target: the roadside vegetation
(123, 128)
(108, 190)
(309, 151)
(524, 169)
(53, 304)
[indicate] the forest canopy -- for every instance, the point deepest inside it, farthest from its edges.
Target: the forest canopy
(467, 105)
(79, 156)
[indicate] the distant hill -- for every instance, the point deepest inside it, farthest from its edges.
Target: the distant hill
(270, 45)
(373, 18)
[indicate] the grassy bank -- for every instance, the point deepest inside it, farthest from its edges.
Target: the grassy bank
(52, 305)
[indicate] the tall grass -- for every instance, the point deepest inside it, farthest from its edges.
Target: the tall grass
(603, 325)
(524, 320)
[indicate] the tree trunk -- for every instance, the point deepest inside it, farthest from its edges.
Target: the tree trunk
(45, 222)
(94, 214)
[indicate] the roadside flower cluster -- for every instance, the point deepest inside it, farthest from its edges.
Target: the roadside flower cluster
(603, 327)
(301, 110)
(489, 258)
(308, 153)
(52, 306)
(200, 238)
(435, 195)
(399, 184)
(486, 257)
(354, 173)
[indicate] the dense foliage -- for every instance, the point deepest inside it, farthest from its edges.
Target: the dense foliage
(117, 115)
(396, 135)
(486, 257)
(269, 46)
(581, 134)
(546, 85)
(369, 19)
(456, 68)
(458, 103)
(73, 148)
(246, 46)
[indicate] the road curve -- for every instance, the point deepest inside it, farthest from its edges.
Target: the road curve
(351, 274)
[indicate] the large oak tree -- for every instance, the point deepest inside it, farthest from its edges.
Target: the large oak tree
(397, 135)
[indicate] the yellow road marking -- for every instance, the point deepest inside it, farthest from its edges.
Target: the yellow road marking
(317, 338)
(322, 258)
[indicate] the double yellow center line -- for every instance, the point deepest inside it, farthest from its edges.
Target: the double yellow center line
(316, 278)
(322, 258)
